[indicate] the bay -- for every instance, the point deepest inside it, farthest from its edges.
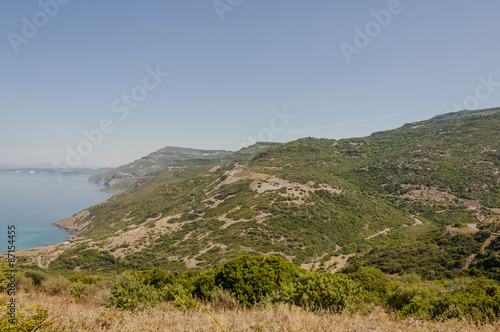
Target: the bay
(32, 202)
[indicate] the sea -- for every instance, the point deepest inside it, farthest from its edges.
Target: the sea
(33, 202)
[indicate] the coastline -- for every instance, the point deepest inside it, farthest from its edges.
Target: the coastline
(36, 203)
(69, 229)
(70, 224)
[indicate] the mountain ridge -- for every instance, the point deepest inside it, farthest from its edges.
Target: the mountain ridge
(117, 179)
(315, 202)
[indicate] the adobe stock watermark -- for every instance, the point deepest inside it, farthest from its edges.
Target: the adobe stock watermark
(31, 26)
(373, 28)
(122, 107)
(483, 91)
(277, 124)
(223, 6)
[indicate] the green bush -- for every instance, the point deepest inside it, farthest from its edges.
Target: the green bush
(5, 273)
(478, 301)
(413, 289)
(156, 278)
(33, 318)
(130, 293)
(252, 279)
(179, 295)
(206, 284)
(419, 308)
(405, 294)
(85, 279)
(77, 289)
(332, 292)
(372, 280)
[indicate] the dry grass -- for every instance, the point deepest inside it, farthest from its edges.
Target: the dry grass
(94, 317)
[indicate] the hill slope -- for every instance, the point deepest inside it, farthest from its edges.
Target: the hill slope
(120, 178)
(309, 201)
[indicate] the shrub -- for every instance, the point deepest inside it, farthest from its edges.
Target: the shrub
(157, 277)
(372, 280)
(24, 284)
(205, 284)
(4, 276)
(130, 293)
(332, 292)
(85, 279)
(36, 276)
(96, 293)
(478, 301)
(456, 283)
(413, 289)
(252, 279)
(418, 308)
(179, 295)
(56, 286)
(77, 289)
(172, 291)
(33, 318)
(223, 299)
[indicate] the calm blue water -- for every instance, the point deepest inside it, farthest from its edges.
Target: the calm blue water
(32, 202)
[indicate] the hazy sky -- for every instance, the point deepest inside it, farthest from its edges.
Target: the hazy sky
(237, 70)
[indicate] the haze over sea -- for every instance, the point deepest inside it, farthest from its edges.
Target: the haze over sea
(32, 202)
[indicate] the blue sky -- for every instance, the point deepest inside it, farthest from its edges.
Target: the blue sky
(227, 79)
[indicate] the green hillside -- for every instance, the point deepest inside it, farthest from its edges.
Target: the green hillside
(122, 177)
(314, 202)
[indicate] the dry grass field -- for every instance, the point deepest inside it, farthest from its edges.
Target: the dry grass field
(71, 315)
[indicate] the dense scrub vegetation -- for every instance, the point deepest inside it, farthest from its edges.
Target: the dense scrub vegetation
(333, 197)
(488, 263)
(434, 255)
(258, 281)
